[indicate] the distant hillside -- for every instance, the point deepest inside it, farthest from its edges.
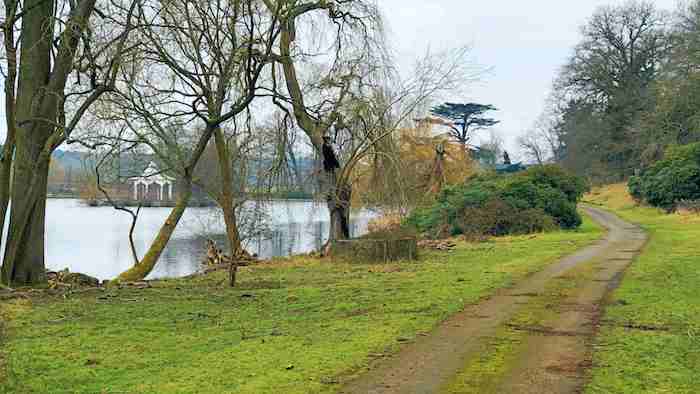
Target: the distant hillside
(70, 159)
(67, 159)
(74, 162)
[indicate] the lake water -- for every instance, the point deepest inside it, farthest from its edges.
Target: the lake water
(95, 241)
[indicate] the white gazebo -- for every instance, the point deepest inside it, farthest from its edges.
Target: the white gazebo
(152, 177)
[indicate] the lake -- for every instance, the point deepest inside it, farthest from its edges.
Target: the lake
(95, 240)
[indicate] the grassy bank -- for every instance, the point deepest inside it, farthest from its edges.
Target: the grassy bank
(295, 326)
(650, 341)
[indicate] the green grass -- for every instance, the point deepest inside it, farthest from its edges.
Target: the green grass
(292, 326)
(659, 296)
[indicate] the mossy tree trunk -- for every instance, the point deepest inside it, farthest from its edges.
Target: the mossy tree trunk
(148, 262)
(233, 58)
(226, 197)
(23, 262)
(8, 149)
(34, 113)
(339, 199)
(141, 270)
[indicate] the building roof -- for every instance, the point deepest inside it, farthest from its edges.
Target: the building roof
(152, 174)
(510, 168)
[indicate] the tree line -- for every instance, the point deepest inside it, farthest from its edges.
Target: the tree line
(627, 92)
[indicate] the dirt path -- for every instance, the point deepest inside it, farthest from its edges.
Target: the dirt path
(556, 352)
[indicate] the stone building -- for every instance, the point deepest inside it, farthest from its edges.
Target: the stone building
(153, 186)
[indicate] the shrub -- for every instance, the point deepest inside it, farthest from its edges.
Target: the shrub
(538, 199)
(497, 218)
(489, 219)
(671, 180)
(572, 186)
(635, 188)
(564, 213)
(534, 221)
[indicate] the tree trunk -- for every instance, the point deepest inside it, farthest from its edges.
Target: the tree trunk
(226, 198)
(8, 150)
(339, 193)
(141, 270)
(436, 179)
(465, 150)
(5, 180)
(339, 208)
(23, 262)
(232, 234)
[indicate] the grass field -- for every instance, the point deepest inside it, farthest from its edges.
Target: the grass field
(292, 326)
(650, 342)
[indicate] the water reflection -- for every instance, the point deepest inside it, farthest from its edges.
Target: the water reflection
(95, 240)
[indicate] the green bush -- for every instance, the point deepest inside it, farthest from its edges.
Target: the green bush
(635, 188)
(539, 199)
(564, 214)
(496, 217)
(572, 186)
(671, 180)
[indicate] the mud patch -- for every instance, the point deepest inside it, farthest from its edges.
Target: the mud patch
(547, 331)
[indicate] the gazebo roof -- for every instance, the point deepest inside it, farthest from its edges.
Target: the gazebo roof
(153, 174)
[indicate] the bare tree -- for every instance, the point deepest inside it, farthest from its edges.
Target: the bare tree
(621, 53)
(533, 147)
(544, 143)
(348, 109)
(199, 66)
(491, 149)
(115, 153)
(359, 21)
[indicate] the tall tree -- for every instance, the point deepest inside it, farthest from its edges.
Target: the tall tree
(362, 24)
(465, 119)
(611, 73)
(353, 98)
(675, 118)
(621, 54)
(543, 142)
(66, 62)
(198, 67)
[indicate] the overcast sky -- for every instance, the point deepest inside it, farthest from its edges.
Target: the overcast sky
(524, 43)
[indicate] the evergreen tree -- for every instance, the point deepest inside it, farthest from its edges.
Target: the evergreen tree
(466, 119)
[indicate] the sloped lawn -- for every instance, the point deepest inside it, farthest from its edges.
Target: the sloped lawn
(292, 326)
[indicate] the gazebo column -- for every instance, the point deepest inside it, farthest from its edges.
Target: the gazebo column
(136, 190)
